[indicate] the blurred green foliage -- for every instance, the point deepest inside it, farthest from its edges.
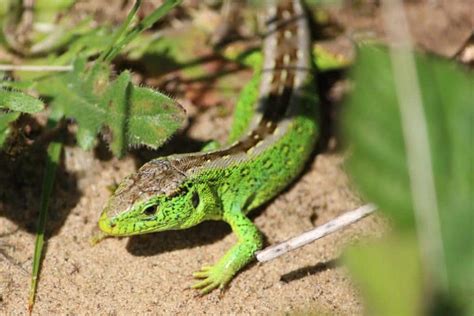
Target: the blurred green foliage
(378, 165)
(388, 273)
(130, 115)
(134, 115)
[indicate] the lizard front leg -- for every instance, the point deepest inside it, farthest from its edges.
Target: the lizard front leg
(249, 241)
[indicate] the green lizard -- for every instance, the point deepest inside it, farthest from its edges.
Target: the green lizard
(274, 132)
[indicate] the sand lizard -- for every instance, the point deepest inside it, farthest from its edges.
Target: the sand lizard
(274, 132)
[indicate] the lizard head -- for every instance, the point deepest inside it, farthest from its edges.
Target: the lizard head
(156, 198)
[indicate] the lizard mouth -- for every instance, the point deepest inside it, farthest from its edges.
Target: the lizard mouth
(110, 227)
(107, 225)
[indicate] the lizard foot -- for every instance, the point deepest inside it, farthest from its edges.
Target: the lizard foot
(211, 277)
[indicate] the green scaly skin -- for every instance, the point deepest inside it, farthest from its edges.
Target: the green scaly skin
(181, 191)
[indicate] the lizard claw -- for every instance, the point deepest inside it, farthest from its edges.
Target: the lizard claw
(211, 277)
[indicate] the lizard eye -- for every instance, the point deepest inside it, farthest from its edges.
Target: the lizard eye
(150, 210)
(195, 199)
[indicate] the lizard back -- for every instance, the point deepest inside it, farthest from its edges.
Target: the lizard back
(282, 132)
(279, 138)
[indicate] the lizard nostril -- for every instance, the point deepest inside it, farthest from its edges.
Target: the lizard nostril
(112, 224)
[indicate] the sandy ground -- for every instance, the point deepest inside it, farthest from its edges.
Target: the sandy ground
(151, 274)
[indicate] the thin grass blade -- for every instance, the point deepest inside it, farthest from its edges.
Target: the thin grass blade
(53, 156)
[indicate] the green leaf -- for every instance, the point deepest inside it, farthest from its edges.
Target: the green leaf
(378, 163)
(17, 101)
(134, 116)
(388, 273)
(117, 101)
(153, 116)
(5, 120)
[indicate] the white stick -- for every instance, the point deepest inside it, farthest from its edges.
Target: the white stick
(35, 68)
(342, 221)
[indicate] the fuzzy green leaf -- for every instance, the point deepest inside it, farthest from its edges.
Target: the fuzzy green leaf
(5, 120)
(153, 116)
(378, 162)
(116, 102)
(17, 101)
(133, 116)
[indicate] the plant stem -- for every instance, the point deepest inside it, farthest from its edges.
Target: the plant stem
(145, 24)
(53, 156)
(4, 67)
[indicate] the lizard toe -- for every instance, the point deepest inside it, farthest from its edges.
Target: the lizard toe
(210, 278)
(200, 274)
(209, 288)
